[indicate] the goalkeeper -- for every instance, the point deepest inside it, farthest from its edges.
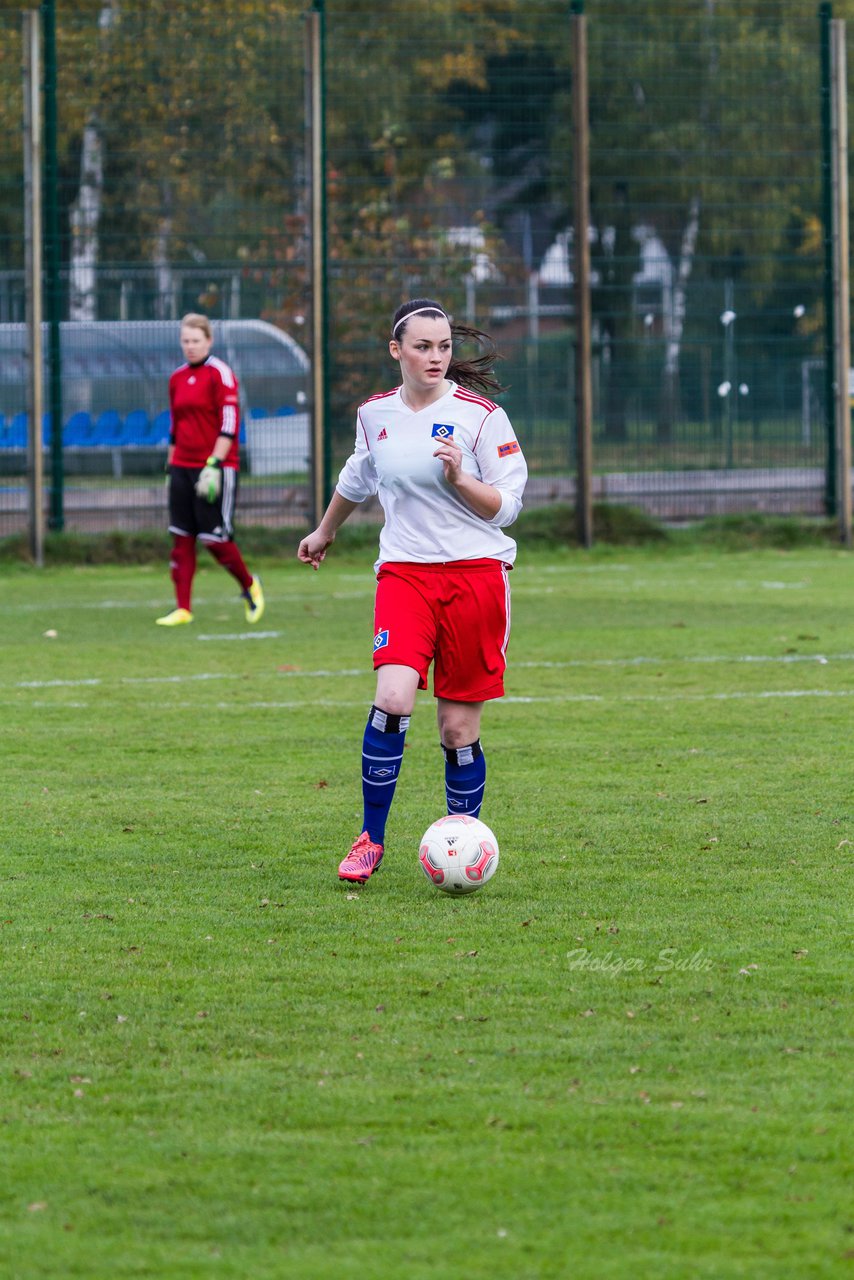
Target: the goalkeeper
(202, 465)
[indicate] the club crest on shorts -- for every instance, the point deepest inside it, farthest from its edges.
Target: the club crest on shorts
(380, 640)
(442, 430)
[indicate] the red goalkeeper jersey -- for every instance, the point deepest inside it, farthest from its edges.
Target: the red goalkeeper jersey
(204, 405)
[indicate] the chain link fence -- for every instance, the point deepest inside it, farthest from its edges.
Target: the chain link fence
(183, 183)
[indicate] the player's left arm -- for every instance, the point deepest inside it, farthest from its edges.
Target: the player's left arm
(496, 495)
(228, 409)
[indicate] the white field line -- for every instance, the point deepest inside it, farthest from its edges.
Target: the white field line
(164, 602)
(733, 695)
(821, 658)
(525, 583)
(200, 675)
(596, 698)
(245, 635)
(757, 695)
(673, 699)
(296, 704)
(350, 672)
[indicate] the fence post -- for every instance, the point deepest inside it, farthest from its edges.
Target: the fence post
(842, 324)
(321, 444)
(583, 380)
(53, 291)
(33, 247)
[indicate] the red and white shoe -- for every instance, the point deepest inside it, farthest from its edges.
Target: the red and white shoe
(362, 860)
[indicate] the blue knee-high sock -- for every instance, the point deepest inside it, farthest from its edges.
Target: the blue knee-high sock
(465, 778)
(382, 756)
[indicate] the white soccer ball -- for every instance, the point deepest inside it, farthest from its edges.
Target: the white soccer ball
(458, 853)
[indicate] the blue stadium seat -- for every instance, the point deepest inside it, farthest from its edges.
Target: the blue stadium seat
(47, 429)
(16, 437)
(136, 428)
(77, 430)
(256, 411)
(158, 436)
(107, 429)
(285, 410)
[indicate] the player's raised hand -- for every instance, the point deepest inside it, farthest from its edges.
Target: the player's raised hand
(451, 457)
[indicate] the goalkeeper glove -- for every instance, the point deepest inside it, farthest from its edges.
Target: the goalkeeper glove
(209, 483)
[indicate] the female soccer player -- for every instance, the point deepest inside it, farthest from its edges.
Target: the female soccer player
(202, 463)
(449, 472)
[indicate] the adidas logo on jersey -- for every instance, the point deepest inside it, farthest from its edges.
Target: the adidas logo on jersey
(383, 435)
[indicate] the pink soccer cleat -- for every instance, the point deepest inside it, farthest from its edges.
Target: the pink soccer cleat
(362, 860)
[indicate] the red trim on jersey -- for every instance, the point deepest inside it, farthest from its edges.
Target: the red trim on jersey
(381, 395)
(463, 393)
(362, 425)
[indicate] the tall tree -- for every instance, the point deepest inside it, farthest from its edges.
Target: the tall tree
(86, 207)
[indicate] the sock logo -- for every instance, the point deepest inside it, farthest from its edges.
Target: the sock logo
(380, 640)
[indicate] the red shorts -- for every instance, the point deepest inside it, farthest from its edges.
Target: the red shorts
(456, 615)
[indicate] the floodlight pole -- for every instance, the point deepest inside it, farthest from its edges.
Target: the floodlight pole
(841, 279)
(581, 262)
(33, 273)
(316, 66)
(825, 16)
(53, 288)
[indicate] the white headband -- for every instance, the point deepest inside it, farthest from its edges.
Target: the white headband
(417, 312)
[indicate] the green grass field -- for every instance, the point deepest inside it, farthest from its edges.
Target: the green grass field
(628, 1056)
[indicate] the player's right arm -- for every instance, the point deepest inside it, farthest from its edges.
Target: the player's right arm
(171, 449)
(313, 548)
(357, 481)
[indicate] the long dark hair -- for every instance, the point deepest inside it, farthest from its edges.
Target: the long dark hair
(476, 373)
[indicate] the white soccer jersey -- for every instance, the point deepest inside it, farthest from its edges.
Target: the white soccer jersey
(426, 521)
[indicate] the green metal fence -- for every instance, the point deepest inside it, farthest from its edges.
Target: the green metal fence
(180, 181)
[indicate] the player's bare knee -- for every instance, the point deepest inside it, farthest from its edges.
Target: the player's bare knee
(396, 687)
(459, 722)
(458, 733)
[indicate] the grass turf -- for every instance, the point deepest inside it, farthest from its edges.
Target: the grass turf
(626, 1056)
